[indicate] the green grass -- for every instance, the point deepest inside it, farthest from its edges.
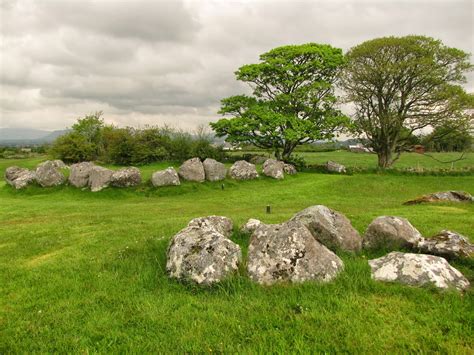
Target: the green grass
(85, 272)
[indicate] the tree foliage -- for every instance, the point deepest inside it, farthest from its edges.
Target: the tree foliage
(292, 101)
(401, 85)
(449, 138)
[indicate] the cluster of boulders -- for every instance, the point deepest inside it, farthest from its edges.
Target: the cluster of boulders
(304, 249)
(46, 174)
(443, 196)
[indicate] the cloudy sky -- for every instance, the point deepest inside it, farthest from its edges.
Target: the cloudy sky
(155, 62)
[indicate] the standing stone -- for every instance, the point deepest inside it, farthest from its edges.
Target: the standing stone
(168, 177)
(392, 233)
(202, 255)
(214, 170)
(79, 174)
(447, 244)
(48, 175)
(250, 226)
(444, 196)
(242, 170)
(126, 177)
(329, 227)
(274, 168)
(290, 169)
(288, 253)
(334, 167)
(18, 177)
(192, 170)
(99, 178)
(220, 224)
(417, 270)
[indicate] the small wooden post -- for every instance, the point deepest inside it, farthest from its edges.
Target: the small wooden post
(269, 209)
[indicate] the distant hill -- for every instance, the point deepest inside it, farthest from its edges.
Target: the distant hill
(28, 136)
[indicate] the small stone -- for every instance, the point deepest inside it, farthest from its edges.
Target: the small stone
(290, 169)
(334, 167)
(250, 226)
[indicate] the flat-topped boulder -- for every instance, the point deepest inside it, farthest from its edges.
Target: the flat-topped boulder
(329, 227)
(274, 168)
(99, 178)
(447, 244)
(48, 175)
(221, 224)
(79, 174)
(126, 177)
(18, 177)
(417, 270)
(192, 170)
(202, 255)
(335, 167)
(288, 252)
(243, 170)
(444, 196)
(167, 177)
(391, 233)
(214, 170)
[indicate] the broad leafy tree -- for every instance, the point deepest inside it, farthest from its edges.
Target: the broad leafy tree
(400, 85)
(292, 102)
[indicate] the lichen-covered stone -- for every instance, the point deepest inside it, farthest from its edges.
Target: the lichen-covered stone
(242, 170)
(126, 177)
(289, 169)
(47, 174)
(274, 168)
(79, 174)
(18, 177)
(288, 253)
(202, 255)
(167, 177)
(391, 233)
(214, 170)
(447, 244)
(99, 178)
(192, 170)
(334, 167)
(329, 227)
(251, 225)
(417, 270)
(220, 224)
(444, 196)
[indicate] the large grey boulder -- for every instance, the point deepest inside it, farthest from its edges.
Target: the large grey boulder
(126, 177)
(167, 177)
(47, 174)
(329, 227)
(288, 253)
(202, 255)
(274, 168)
(242, 170)
(214, 170)
(289, 169)
(334, 167)
(99, 178)
(447, 244)
(220, 224)
(444, 196)
(18, 177)
(250, 226)
(192, 170)
(391, 233)
(79, 174)
(417, 270)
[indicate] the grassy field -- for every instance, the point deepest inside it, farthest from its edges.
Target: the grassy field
(85, 272)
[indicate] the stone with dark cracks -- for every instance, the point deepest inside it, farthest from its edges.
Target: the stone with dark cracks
(48, 175)
(79, 174)
(447, 244)
(18, 177)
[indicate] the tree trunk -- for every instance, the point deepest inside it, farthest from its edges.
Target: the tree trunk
(384, 158)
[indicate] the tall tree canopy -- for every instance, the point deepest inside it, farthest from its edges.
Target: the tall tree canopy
(400, 83)
(292, 102)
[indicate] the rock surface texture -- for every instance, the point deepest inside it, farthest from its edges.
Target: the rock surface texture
(288, 253)
(289, 169)
(274, 168)
(251, 225)
(167, 177)
(242, 170)
(202, 255)
(18, 177)
(214, 170)
(445, 196)
(330, 228)
(79, 174)
(59, 164)
(220, 224)
(447, 244)
(389, 232)
(47, 174)
(334, 167)
(99, 178)
(192, 170)
(126, 177)
(417, 270)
